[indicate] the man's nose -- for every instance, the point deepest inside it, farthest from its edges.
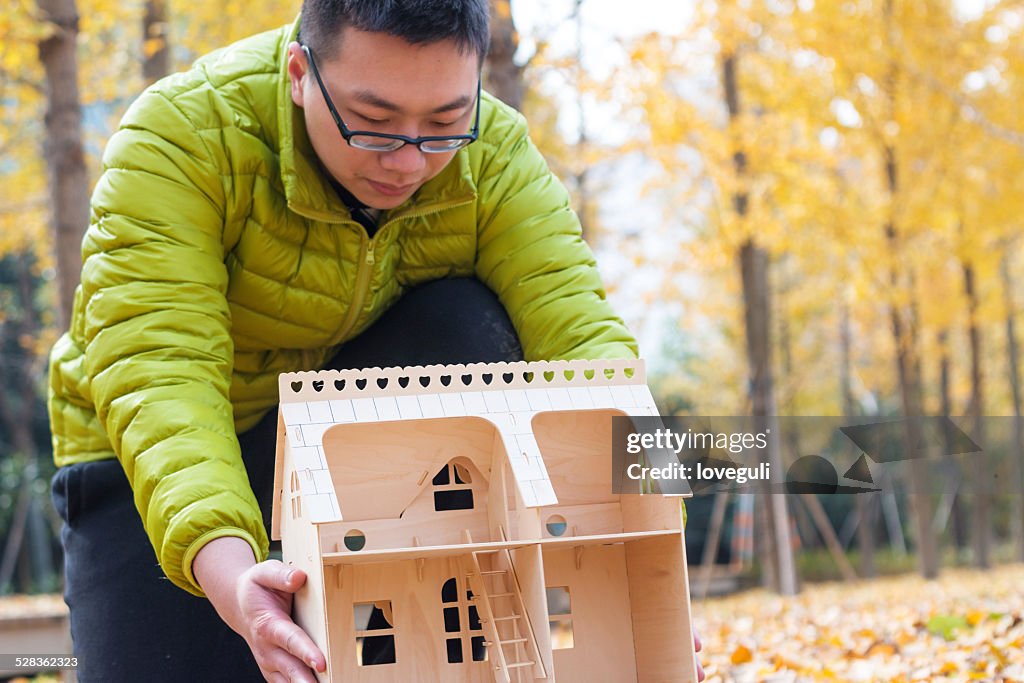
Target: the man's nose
(405, 160)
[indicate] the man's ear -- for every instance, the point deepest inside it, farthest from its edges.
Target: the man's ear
(297, 71)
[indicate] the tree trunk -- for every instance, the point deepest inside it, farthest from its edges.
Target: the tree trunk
(905, 334)
(711, 543)
(907, 367)
(919, 499)
(863, 504)
(803, 522)
(1017, 454)
(981, 528)
(156, 49)
(764, 543)
(754, 264)
(65, 158)
(953, 474)
(504, 77)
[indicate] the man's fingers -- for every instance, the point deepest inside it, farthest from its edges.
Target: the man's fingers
(293, 641)
(288, 669)
(278, 576)
(697, 645)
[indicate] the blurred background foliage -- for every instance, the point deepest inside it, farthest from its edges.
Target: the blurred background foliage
(802, 207)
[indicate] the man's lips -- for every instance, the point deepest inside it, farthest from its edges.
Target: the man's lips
(390, 190)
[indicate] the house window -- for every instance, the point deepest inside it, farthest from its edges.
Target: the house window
(452, 489)
(556, 525)
(375, 633)
(560, 617)
(463, 632)
(355, 540)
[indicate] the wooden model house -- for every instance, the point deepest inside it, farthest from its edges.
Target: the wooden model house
(457, 523)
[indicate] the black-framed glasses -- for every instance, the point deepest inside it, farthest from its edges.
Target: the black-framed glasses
(389, 142)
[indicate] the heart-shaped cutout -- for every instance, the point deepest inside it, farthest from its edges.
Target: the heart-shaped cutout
(528, 377)
(318, 385)
(296, 387)
(508, 377)
(569, 374)
(487, 378)
(467, 379)
(589, 374)
(403, 382)
(339, 384)
(382, 382)
(609, 372)
(629, 372)
(425, 381)
(446, 380)
(548, 376)
(360, 384)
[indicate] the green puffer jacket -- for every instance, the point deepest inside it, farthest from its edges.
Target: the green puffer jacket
(218, 257)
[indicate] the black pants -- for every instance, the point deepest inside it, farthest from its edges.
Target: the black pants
(128, 622)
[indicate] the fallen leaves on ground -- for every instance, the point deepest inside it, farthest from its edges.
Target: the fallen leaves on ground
(20, 606)
(968, 625)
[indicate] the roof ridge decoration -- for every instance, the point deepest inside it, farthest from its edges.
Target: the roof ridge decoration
(324, 385)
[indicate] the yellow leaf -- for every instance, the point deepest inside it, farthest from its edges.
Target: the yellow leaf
(780, 662)
(998, 654)
(152, 45)
(905, 637)
(881, 649)
(741, 655)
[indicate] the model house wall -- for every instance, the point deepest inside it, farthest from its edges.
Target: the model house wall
(458, 523)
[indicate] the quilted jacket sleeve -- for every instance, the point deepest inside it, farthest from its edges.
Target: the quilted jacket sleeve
(154, 324)
(531, 253)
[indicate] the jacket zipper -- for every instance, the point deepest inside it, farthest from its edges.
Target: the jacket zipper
(367, 260)
(365, 270)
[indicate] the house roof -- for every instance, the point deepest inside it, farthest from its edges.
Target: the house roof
(506, 394)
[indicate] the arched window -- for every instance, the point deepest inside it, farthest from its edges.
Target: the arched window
(452, 488)
(461, 624)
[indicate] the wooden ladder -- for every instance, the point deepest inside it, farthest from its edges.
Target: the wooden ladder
(514, 617)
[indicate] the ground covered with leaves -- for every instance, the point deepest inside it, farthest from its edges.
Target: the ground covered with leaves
(967, 625)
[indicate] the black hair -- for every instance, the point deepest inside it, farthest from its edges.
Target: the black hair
(417, 22)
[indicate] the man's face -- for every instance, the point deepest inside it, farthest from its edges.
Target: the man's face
(382, 84)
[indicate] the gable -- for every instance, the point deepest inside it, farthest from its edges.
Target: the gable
(507, 395)
(378, 469)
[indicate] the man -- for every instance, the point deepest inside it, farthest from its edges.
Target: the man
(259, 214)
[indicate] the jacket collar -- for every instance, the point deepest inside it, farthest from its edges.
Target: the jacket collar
(306, 186)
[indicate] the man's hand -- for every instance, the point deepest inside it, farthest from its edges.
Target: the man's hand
(255, 600)
(697, 648)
